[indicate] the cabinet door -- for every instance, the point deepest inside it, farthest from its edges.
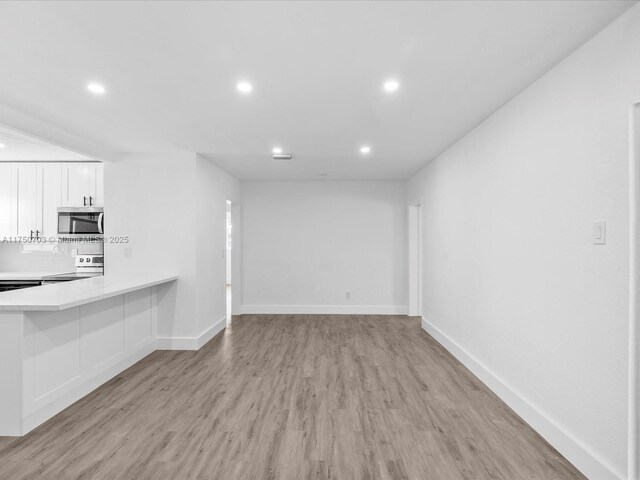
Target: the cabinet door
(76, 178)
(49, 191)
(27, 199)
(98, 185)
(8, 193)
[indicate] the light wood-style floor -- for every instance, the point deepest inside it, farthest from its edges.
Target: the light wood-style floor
(291, 397)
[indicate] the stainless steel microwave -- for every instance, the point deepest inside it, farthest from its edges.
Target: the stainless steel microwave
(78, 222)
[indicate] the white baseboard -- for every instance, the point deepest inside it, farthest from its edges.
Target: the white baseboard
(191, 343)
(211, 332)
(43, 414)
(570, 447)
(325, 309)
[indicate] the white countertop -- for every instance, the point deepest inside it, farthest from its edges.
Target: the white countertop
(60, 296)
(29, 275)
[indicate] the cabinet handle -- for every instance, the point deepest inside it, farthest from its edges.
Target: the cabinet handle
(31, 235)
(84, 201)
(37, 233)
(91, 201)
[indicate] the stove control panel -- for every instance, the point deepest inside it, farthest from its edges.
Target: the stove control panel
(89, 261)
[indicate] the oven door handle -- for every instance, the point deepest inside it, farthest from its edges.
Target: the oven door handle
(100, 217)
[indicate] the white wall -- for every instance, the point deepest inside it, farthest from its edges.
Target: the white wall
(215, 187)
(305, 244)
(171, 206)
(512, 282)
(151, 199)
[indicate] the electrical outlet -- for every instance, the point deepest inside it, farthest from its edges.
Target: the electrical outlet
(347, 295)
(599, 233)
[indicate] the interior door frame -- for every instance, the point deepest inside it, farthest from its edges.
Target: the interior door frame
(414, 221)
(633, 453)
(236, 259)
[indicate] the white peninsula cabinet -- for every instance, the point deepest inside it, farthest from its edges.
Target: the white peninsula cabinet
(82, 185)
(59, 342)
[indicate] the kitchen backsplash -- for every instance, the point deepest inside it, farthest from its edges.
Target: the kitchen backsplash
(15, 257)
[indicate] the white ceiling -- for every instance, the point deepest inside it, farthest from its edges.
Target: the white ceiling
(170, 70)
(19, 147)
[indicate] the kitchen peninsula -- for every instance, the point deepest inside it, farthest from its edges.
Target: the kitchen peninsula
(59, 342)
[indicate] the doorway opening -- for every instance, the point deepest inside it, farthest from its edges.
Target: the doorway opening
(415, 259)
(228, 266)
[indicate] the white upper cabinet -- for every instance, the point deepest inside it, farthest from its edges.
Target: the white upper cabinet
(30, 194)
(76, 184)
(7, 204)
(26, 200)
(82, 185)
(99, 182)
(48, 198)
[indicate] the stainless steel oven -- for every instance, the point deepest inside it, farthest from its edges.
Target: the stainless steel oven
(80, 222)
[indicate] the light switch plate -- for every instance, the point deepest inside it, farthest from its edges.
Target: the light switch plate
(599, 233)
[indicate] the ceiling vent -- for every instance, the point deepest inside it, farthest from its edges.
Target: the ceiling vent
(282, 156)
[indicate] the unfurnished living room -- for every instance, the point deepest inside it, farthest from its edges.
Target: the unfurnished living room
(296, 240)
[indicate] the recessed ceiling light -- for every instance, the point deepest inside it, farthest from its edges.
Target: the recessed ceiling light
(365, 149)
(96, 88)
(2, 145)
(244, 87)
(391, 86)
(277, 150)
